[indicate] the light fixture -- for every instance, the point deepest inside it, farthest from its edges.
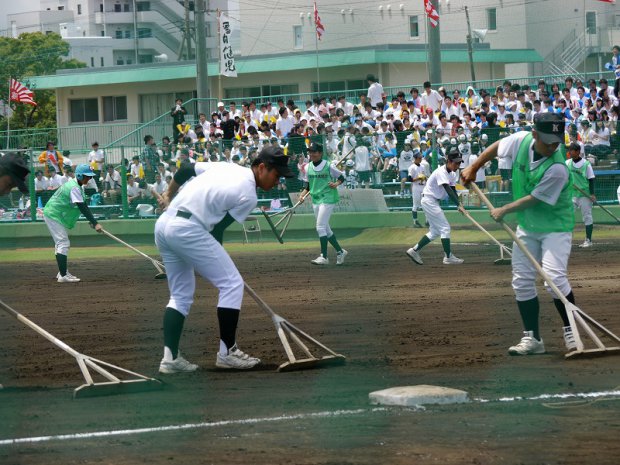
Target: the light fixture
(389, 7)
(350, 11)
(309, 15)
(401, 7)
(301, 16)
(380, 7)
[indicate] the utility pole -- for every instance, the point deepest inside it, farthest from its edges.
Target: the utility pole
(470, 50)
(135, 32)
(434, 50)
(186, 33)
(202, 75)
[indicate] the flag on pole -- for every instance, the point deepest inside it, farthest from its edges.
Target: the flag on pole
(20, 93)
(317, 22)
(431, 12)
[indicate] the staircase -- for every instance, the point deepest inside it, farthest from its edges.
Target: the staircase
(569, 55)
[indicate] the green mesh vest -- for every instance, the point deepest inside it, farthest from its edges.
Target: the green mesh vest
(59, 207)
(579, 177)
(319, 185)
(541, 217)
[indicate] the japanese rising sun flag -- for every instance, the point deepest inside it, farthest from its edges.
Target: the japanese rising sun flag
(317, 22)
(431, 12)
(20, 93)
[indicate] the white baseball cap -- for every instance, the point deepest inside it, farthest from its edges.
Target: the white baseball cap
(220, 104)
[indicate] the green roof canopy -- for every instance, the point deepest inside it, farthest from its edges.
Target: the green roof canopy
(297, 61)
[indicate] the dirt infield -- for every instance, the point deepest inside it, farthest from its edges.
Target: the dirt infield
(397, 323)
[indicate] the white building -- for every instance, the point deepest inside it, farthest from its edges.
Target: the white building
(278, 50)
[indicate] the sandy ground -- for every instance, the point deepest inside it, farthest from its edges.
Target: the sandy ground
(397, 323)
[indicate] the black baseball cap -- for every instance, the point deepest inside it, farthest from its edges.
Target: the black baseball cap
(15, 166)
(549, 127)
(274, 157)
(454, 155)
(314, 147)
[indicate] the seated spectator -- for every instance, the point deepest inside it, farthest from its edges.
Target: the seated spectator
(54, 181)
(134, 192)
(136, 169)
(40, 182)
(112, 185)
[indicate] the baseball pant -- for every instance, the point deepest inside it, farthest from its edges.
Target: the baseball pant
(59, 234)
(416, 195)
(585, 205)
(551, 250)
(438, 224)
(186, 246)
(322, 213)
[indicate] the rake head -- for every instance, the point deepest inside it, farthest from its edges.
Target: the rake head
(115, 388)
(309, 363)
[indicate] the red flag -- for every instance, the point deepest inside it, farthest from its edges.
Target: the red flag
(431, 12)
(20, 93)
(317, 22)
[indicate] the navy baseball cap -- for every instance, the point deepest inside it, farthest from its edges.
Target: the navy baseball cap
(15, 166)
(314, 147)
(274, 157)
(454, 155)
(549, 127)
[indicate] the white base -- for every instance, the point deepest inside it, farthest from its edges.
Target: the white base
(410, 396)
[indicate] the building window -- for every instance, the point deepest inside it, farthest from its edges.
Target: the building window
(102, 34)
(101, 8)
(298, 38)
(144, 32)
(102, 65)
(127, 34)
(84, 110)
(118, 8)
(120, 61)
(114, 109)
(492, 19)
(143, 6)
(591, 22)
(92, 62)
(414, 27)
(79, 8)
(129, 61)
(60, 8)
(119, 34)
(126, 8)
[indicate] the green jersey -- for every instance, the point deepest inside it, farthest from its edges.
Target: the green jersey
(542, 217)
(61, 208)
(319, 184)
(580, 179)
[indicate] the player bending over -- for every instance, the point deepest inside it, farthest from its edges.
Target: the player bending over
(189, 237)
(440, 184)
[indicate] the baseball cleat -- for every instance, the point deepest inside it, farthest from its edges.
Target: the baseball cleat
(416, 224)
(67, 279)
(569, 339)
(452, 260)
(68, 274)
(528, 345)
(587, 243)
(236, 360)
(341, 256)
(178, 365)
(321, 260)
(415, 256)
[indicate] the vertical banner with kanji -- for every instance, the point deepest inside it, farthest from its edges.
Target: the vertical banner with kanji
(227, 58)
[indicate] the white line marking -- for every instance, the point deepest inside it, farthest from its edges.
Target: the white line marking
(299, 416)
(213, 424)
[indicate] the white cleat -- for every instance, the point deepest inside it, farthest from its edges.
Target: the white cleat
(569, 339)
(321, 260)
(587, 243)
(415, 256)
(67, 279)
(236, 360)
(528, 345)
(178, 365)
(340, 256)
(452, 260)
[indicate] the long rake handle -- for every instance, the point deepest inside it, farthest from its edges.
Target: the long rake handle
(491, 236)
(524, 249)
(598, 204)
(157, 263)
(261, 303)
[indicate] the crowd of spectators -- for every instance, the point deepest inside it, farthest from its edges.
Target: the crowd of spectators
(377, 134)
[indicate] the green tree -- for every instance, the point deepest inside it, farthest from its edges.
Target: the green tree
(33, 54)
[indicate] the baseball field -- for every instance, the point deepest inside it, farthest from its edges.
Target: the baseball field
(397, 323)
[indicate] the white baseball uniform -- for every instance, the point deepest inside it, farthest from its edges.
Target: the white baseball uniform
(183, 237)
(432, 194)
(416, 186)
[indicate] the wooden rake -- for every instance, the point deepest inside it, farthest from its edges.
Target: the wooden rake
(576, 317)
(300, 338)
(113, 385)
(598, 204)
(502, 248)
(287, 214)
(159, 266)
